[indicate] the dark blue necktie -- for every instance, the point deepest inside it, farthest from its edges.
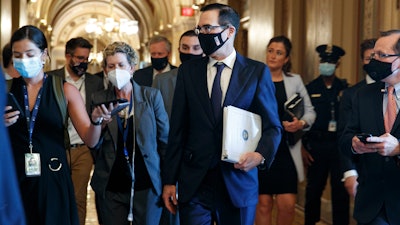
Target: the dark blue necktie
(216, 92)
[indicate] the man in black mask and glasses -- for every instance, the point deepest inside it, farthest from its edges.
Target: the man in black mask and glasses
(160, 52)
(374, 113)
(212, 190)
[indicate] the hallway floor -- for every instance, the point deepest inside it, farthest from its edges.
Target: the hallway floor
(91, 217)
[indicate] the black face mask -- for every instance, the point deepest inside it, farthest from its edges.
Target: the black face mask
(79, 69)
(211, 42)
(159, 63)
(378, 70)
(186, 57)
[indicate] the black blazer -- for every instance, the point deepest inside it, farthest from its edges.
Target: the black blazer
(145, 76)
(344, 117)
(379, 176)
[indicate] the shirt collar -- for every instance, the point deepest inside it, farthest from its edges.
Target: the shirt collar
(228, 61)
(166, 69)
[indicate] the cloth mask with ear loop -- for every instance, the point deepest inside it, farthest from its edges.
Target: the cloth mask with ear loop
(378, 70)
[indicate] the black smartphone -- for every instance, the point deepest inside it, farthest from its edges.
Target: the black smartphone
(363, 138)
(14, 104)
(122, 104)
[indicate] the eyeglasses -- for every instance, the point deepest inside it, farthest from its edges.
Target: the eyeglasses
(81, 58)
(383, 55)
(206, 29)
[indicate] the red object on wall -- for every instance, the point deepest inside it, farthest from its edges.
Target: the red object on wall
(187, 11)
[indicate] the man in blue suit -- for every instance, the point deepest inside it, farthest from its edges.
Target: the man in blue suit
(11, 209)
(377, 199)
(211, 190)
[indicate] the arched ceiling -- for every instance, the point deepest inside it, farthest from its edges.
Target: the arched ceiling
(67, 19)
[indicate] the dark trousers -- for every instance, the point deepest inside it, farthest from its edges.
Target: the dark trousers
(211, 203)
(326, 162)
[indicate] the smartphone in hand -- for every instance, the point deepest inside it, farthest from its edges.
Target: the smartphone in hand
(14, 104)
(122, 104)
(363, 138)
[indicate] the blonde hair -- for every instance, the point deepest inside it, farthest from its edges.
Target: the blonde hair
(120, 47)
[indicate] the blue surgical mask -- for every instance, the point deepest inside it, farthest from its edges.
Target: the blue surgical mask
(327, 69)
(28, 67)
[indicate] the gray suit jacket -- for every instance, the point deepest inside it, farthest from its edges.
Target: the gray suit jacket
(166, 82)
(151, 136)
(92, 84)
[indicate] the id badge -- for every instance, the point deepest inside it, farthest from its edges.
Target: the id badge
(332, 126)
(32, 164)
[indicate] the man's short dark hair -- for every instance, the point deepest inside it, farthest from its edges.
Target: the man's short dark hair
(78, 42)
(189, 33)
(227, 15)
(366, 45)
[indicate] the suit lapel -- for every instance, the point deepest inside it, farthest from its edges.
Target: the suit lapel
(239, 78)
(199, 82)
(378, 107)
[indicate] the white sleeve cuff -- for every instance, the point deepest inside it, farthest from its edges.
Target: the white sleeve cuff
(349, 173)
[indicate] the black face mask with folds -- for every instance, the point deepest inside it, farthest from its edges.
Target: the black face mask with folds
(211, 42)
(186, 57)
(159, 63)
(79, 69)
(378, 70)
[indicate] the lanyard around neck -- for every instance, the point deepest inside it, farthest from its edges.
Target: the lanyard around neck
(124, 129)
(31, 119)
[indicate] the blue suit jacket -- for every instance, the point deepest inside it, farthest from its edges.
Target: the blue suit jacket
(379, 176)
(151, 136)
(195, 137)
(11, 207)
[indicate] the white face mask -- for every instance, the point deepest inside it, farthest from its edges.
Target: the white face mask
(28, 67)
(327, 69)
(119, 78)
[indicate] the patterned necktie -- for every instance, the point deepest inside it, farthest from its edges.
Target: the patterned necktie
(216, 92)
(391, 110)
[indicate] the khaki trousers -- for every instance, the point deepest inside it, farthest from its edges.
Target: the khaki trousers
(80, 161)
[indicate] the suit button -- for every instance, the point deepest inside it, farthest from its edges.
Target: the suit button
(145, 156)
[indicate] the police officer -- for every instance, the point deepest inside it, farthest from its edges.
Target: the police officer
(322, 153)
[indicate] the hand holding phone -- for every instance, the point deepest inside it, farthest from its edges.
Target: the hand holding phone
(122, 103)
(14, 104)
(363, 138)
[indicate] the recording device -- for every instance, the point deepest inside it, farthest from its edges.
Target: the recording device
(122, 104)
(363, 138)
(14, 104)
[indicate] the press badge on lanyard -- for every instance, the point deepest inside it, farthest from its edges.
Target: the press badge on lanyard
(32, 160)
(332, 123)
(32, 164)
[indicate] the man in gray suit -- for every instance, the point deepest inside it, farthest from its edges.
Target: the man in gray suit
(80, 159)
(189, 48)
